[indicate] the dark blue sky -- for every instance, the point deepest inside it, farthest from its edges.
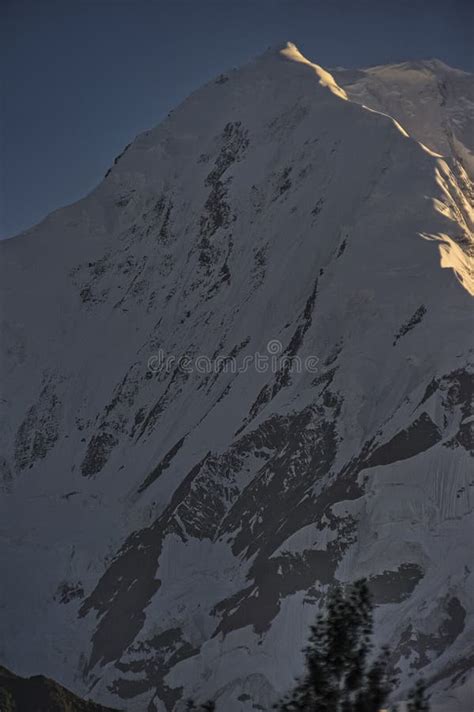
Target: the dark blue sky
(83, 77)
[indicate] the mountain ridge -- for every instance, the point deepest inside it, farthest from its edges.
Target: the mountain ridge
(275, 51)
(38, 694)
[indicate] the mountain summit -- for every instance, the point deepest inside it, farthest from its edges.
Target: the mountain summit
(235, 373)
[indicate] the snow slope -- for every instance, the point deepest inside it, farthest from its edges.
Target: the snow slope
(172, 533)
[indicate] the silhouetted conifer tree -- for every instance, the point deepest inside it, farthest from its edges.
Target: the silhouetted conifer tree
(341, 674)
(418, 699)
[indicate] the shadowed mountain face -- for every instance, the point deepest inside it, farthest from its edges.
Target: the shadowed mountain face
(172, 526)
(39, 694)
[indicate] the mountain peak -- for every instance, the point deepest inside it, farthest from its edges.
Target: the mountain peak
(274, 50)
(289, 51)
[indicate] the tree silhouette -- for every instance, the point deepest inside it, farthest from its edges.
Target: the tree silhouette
(341, 674)
(418, 700)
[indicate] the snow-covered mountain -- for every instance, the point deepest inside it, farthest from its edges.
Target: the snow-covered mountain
(171, 531)
(433, 102)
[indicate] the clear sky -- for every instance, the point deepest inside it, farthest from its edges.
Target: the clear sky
(80, 78)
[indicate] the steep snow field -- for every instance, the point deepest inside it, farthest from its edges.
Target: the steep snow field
(172, 533)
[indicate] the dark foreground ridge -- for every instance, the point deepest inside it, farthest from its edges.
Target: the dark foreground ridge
(40, 694)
